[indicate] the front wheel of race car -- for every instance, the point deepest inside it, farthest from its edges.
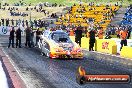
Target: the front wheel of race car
(42, 53)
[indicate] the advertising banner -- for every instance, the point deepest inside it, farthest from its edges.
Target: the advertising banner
(4, 30)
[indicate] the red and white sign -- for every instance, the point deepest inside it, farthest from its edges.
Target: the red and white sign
(105, 45)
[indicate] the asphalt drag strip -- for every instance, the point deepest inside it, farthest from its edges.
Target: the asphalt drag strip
(38, 71)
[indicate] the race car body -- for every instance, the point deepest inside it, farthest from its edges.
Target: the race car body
(57, 44)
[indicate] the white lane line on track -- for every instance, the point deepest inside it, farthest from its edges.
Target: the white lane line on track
(3, 79)
(16, 68)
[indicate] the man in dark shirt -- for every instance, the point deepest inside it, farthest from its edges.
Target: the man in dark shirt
(38, 33)
(18, 37)
(92, 39)
(32, 37)
(78, 35)
(11, 38)
(28, 37)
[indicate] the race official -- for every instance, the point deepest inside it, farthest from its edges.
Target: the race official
(78, 35)
(38, 33)
(18, 37)
(28, 37)
(11, 38)
(123, 36)
(92, 33)
(32, 36)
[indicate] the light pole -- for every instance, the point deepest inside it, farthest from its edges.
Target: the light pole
(30, 17)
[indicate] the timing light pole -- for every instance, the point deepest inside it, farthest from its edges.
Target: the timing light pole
(30, 18)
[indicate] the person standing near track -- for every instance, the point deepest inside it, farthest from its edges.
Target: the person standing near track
(123, 36)
(18, 37)
(92, 33)
(38, 33)
(28, 37)
(78, 35)
(32, 36)
(11, 38)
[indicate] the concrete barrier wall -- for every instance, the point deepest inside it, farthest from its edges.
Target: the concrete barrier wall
(129, 43)
(101, 45)
(126, 51)
(106, 46)
(111, 46)
(3, 78)
(85, 43)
